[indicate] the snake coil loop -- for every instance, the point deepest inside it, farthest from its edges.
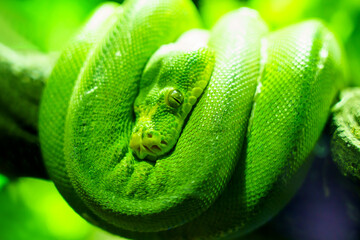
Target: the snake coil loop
(230, 141)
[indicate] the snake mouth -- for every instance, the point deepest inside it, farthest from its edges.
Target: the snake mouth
(143, 151)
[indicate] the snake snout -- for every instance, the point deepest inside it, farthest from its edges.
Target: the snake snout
(144, 144)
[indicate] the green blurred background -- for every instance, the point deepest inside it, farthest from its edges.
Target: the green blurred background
(33, 209)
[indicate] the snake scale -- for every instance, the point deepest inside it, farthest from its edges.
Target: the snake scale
(154, 128)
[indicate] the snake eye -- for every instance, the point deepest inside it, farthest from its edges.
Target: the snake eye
(175, 98)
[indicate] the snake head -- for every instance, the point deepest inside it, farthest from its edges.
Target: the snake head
(171, 84)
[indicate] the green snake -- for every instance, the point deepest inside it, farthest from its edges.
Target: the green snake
(154, 128)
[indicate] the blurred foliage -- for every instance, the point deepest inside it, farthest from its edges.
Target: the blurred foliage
(33, 209)
(34, 205)
(3, 181)
(45, 24)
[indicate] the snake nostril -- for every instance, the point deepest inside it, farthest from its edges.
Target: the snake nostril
(163, 142)
(149, 135)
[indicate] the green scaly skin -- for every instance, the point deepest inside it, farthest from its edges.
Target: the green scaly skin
(152, 130)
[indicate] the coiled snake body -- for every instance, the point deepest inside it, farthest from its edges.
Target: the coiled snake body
(153, 128)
